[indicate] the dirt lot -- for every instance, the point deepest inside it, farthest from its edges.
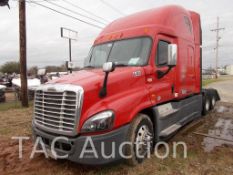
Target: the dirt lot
(205, 155)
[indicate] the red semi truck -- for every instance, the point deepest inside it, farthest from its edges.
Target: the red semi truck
(142, 83)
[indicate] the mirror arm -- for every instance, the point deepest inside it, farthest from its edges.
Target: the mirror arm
(162, 74)
(107, 68)
(103, 90)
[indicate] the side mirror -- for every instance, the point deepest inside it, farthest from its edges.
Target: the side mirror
(172, 55)
(109, 67)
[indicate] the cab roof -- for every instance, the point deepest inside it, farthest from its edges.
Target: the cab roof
(173, 20)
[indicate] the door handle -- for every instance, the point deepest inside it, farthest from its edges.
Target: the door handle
(173, 88)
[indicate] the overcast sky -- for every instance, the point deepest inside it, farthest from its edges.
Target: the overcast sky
(46, 47)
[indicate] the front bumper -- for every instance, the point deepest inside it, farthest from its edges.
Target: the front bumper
(76, 145)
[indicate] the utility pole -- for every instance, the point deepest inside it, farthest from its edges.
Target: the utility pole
(23, 52)
(70, 54)
(217, 44)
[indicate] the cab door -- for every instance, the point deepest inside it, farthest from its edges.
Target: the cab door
(163, 87)
(191, 70)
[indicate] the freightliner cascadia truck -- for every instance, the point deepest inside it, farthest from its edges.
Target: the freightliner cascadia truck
(142, 82)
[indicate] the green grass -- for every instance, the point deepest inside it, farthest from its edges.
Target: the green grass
(11, 105)
(209, 81)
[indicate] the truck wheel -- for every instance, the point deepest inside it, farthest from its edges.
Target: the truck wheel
(141, 136)
(206, 105)
(213, 102)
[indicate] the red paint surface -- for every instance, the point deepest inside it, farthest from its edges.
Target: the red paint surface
(128, 95)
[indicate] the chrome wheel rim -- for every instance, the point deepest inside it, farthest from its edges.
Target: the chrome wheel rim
(143, 140)
(213, 101)
(207, 105)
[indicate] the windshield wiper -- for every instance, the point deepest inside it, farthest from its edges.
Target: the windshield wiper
(121, 65)
(89, 67)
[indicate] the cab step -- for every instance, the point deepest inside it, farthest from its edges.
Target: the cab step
(171, 129)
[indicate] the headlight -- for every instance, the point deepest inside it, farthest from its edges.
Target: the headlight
(99, 122)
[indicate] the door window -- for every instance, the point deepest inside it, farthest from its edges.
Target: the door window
(162, 53)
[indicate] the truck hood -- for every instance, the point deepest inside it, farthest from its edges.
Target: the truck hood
(123, 84)
(93, 78)
(84, 78)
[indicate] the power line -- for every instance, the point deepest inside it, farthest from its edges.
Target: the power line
(74, 12)
(65, 14)
(35, 0)
(89, 12)
(112, 7)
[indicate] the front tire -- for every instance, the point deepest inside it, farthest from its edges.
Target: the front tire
(141, 137)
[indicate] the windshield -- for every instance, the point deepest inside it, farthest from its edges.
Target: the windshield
(130, 52)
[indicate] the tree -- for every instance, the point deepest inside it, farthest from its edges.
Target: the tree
(61, 68)
(10, 67)
(33, 70)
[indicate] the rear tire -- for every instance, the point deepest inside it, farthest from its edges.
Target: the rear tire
(213, 102)
(206, 105)
(141, 131)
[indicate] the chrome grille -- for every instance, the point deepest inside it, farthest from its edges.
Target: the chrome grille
(58, 110)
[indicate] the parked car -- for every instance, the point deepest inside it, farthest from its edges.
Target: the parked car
(2, 93)
(32, 85)
(4, 81)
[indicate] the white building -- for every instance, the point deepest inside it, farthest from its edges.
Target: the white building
(229, 70)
